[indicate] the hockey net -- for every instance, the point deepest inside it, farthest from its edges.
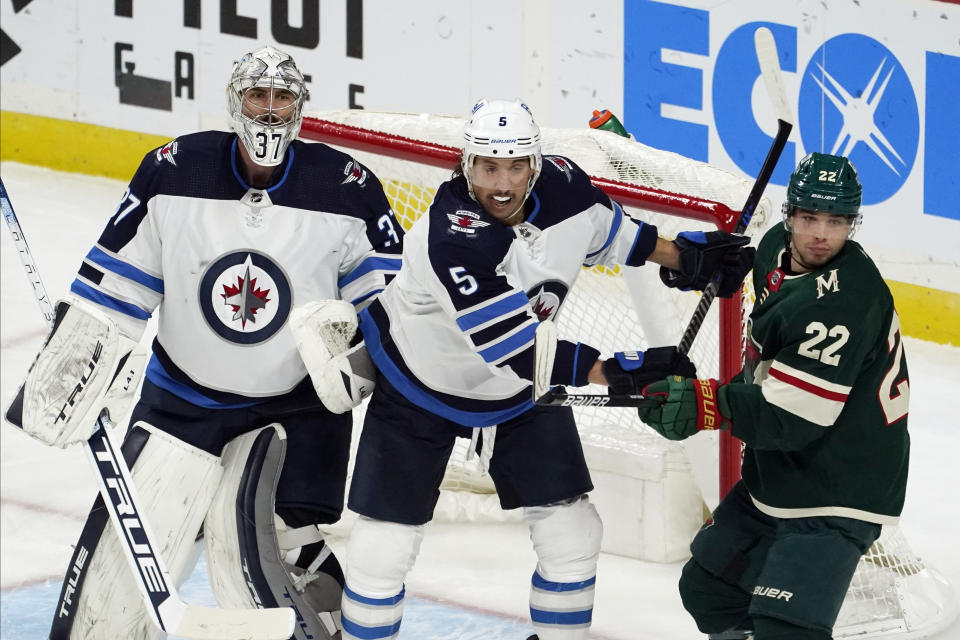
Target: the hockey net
(893, 593)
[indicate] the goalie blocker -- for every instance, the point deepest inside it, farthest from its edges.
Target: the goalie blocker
(85, 365)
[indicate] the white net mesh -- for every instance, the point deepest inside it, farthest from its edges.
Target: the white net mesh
(893, 593)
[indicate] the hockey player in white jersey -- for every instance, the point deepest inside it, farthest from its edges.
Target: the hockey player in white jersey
(452, 337)
(231, 240)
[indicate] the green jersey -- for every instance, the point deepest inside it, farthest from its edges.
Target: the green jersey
(823, 405)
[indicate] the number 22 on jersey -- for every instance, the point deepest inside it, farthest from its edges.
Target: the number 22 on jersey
(894, 397)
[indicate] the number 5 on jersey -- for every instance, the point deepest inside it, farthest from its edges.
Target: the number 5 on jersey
(468, 284)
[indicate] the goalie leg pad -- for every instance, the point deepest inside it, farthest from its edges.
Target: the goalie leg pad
(566, 537)
(176, 482)
(379, 556)
(341, 370)
(244, 559)
(67, 384)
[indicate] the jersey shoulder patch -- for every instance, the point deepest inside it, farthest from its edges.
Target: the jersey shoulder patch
(191, 150)
(460, 227)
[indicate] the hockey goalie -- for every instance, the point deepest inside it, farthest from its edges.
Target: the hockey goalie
(253, 251)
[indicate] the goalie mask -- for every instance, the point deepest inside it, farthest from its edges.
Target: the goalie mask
(265, 99)
(826, 184)
(501, 129)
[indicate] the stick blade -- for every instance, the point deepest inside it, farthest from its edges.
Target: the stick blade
(772, 77)
(545, 350)
(205, 623)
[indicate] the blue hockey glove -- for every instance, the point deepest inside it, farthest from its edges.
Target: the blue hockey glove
(627, 372)
(704, 253)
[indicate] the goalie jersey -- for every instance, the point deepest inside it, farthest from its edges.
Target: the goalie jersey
(225, 263)
(454, 331)
(825, 418)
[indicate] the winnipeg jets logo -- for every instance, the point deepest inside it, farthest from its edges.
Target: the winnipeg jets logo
(354, 172)
(466, 222)
(167, 151)
(245, 297)
(563, 164)
(546, 298)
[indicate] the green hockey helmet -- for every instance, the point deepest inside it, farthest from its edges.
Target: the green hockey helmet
(824, 183)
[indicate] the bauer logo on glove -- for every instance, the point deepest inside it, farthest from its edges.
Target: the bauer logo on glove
(689, 405)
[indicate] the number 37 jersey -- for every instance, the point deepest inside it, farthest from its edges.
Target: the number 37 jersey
(825, 351)
(222, 264)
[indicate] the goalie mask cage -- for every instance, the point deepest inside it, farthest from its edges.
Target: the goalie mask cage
(893, 594)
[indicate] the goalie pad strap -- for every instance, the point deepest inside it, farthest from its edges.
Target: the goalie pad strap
(288, 539)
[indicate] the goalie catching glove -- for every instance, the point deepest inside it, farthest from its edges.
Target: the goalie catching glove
(628, 372)
(689, 405)
(704, 253)
(325, 332)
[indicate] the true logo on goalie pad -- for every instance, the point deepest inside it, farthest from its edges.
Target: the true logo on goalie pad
(70, 588)
(245, 297)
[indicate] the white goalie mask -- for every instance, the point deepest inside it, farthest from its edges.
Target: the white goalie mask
(265, 99)
(501, 129)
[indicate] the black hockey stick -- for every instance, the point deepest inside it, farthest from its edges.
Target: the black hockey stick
(770, 69)
(160, 598)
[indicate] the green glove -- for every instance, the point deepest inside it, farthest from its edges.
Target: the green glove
(689, 405)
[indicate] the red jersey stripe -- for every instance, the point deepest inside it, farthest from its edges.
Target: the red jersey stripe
(808, 387)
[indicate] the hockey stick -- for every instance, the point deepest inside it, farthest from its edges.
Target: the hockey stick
(773, 79)
(770, 70)
(163, 604)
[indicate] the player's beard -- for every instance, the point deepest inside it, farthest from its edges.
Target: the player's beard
(810, 255)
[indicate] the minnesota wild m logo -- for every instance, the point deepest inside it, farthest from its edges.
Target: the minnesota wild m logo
(828, 282)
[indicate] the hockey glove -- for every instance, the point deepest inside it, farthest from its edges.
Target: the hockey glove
(331, 347)
(689, 405)
(629, 371)
(704, 253)
(86, 365)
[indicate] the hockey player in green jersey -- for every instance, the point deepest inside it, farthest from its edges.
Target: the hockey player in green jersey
(821, 406)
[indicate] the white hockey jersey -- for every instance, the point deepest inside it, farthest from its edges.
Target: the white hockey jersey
(224, 263)
(454, 330)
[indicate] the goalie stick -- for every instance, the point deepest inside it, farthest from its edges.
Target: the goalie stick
(546, 339)
(160, 598)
